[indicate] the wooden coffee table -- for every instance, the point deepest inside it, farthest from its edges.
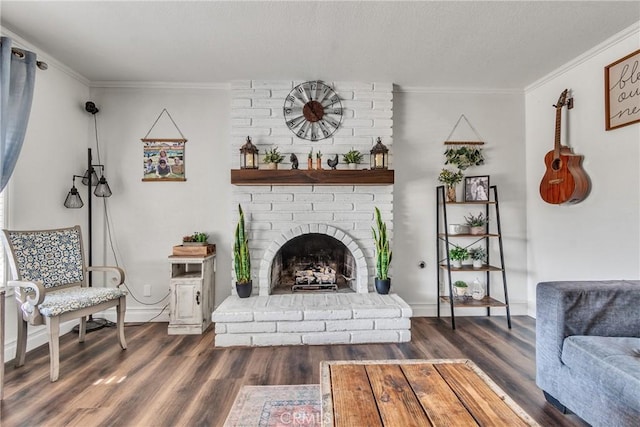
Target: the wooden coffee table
(446, 392)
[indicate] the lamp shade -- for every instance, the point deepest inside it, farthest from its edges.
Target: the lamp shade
(102, 189)
(73, 200)
(94, 177)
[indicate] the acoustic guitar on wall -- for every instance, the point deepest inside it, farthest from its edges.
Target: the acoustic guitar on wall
(564, 181)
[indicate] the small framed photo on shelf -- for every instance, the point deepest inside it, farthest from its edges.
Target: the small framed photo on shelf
(476, 188)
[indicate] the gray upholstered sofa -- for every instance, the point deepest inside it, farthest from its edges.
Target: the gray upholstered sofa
(588, 349)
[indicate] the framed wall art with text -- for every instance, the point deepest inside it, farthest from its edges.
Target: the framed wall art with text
(622, 91)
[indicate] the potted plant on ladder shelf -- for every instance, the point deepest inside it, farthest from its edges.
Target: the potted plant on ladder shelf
(383, 256)
(241, 259)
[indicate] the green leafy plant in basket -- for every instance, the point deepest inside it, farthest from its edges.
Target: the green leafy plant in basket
(196, 237)
(241, 258)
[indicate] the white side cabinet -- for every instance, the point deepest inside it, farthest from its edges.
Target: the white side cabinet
(192, 294)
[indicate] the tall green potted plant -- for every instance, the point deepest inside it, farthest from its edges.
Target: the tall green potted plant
(383, 255)
(241, 259)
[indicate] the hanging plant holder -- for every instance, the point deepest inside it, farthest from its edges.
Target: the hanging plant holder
(464, 154)
(163, 158)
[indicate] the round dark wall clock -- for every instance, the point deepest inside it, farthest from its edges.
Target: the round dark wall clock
(313, 111)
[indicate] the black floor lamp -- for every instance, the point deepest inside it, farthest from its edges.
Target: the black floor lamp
(74, 201)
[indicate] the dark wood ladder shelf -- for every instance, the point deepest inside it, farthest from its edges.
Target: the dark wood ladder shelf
(312, 177)
(445, 241)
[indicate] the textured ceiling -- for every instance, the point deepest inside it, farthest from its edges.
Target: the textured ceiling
(493, 45)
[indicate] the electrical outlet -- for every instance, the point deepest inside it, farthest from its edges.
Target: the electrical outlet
(147, 290)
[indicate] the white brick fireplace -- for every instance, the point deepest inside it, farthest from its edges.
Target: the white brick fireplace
(275, 214)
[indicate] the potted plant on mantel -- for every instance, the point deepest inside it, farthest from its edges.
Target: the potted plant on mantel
(383, 255)
(241, 259)
(352, 158)
(272, 158)
(450, 179)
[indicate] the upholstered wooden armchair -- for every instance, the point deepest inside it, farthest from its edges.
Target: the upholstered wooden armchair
(50, 280)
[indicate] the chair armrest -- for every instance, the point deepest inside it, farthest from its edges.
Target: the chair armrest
(119, 273)
(36, 287)
(603, 308)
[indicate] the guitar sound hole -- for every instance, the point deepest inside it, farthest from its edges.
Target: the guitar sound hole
(556, 165)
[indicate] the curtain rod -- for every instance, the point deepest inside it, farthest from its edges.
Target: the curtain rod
(20, 54)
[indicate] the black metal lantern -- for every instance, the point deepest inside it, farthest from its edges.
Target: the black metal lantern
(379, 156)
(248, 155)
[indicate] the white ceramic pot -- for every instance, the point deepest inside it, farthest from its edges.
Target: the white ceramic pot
(352, 166)
(458, 229)
(460, 292)
(477, 263)
(456, 263)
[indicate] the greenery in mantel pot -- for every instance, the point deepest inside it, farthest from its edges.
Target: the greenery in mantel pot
(352, 156)
(273, 156)
(464, 157)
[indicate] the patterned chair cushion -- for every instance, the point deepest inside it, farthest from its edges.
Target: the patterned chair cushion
(70, 299)
(53, 257)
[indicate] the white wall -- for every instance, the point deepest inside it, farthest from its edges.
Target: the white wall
(149, 218)
(423, 119)
(600, 237)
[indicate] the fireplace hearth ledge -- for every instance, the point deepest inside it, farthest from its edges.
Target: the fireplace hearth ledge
(312, 319)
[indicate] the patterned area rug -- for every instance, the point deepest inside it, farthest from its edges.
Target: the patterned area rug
(276, 406)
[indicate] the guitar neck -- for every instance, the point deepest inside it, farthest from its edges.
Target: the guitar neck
(556, 147)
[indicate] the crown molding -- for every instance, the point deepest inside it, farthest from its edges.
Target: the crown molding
(631, 31)
(51, 61)
(159, 85)
(450, 90)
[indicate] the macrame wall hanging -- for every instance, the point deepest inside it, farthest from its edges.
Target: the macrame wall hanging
(163, 158)
(464, 153)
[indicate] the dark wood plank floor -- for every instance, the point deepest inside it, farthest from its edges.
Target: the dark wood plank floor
(164, 380)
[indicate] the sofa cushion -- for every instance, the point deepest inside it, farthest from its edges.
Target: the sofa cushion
(613, 363)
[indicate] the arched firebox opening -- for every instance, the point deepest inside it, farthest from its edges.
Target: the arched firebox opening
(312, 262)
(352, 271)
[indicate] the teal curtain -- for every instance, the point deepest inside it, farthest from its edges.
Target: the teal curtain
(17, 78)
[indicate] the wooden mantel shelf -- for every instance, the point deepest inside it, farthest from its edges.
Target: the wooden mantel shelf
(311, 177)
